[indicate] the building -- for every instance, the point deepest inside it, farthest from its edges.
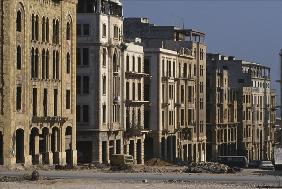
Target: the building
(38, 81)
(256, 106)
(100, 119)
(222, 120)
(175, 58)
(133, 79)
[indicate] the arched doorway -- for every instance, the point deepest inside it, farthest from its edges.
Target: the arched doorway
(43, 145)
(20, 146)
(55, 139)
(68, 139)
(1, 149)
(34, 145)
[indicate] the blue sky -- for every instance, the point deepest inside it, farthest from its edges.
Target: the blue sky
(246, 29)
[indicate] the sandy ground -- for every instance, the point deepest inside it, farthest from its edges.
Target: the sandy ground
(92, 184)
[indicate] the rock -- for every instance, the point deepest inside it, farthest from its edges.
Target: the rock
(34, 175)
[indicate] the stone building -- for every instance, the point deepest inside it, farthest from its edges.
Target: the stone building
(38, 81)
(255, 106)
(222, 120)
(99, 87)
(175, 58)
(133, 78)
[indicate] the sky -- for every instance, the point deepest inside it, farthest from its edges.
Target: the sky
(247, 29)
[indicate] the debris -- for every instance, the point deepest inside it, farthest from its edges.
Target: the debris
(157, 162)
(34, 175)
(209, 167)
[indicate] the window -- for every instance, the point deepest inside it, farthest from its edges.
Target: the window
(43, 66)
(34, 63)
(201, 103)
(127, 63)
(78, 29)
(133, 63)
(85, 112)
(19, 21)
(201, 87)
(139, 65)
(127, 90)
(43, 29)
(86, 30)
(85, 56)
(47, 65)
(104, 113)
(104, 85)
(68, 99)
(68, 31)
(139, 91)
(33, 27)
(34, 101)
(37, 28)
(77, 113)
(116, 32)
(133, 91)
(78, 56)
(45, 102)
(55, 102)
(47, 29)
(19, 99)
(85, 85)
(104, 57)
(19, 57)
(78, 84)
(68, 63)
(104, 30)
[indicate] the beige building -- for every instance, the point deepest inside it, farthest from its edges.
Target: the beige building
(100, 107)
(133, 86)
(256, 106)
(37, 106)
(176, 118)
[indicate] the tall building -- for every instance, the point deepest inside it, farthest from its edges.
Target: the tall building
(133, 80)
(255, 106)
(175, 58)
(37, 98)
(100, 119)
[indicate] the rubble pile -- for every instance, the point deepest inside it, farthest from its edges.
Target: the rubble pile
(156, 162)
(209, 167)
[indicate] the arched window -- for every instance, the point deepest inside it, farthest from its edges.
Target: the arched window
(57, 32)
(47, 65)
(19, 57)
(33, 27)
(47, 29)
(32, 63)
(19, 21)
(43, 29)
(104, 57)
(68, 63)
(127, 63)
(57, 65)
(115, 63)
(36, 63)
(43, 66)
(68, 31)
(37, 28)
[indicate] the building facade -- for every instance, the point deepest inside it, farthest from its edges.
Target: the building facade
(100, 108)
(175, 58)
(38, 81)
(256, 106)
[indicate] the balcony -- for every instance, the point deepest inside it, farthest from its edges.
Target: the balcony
(135, 102)
(133, 130)
(131, 74)
(179, 105)
(186, 78)
(116, 99)
(48, 119)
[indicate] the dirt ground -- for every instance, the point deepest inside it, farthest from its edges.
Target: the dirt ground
(92, 184)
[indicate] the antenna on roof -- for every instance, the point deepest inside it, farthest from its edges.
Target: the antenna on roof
(183, 24)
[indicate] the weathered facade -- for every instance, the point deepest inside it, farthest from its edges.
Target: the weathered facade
(37, 98)
(175, 58)
(100, 107)
(256, 106)
(222, 120)
(134, 103)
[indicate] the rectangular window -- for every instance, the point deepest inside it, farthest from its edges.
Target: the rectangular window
(78, 56)
(34, 101)
(104, 113)
(77, 113)
(78, 84)
(55, 102)
(45, 102)
(85, 85)
(19, 99)
(139, 91)
(68, 99)
(182, 94)
(86, 30)
(85, 56)
(78, 29)
(85, 113)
